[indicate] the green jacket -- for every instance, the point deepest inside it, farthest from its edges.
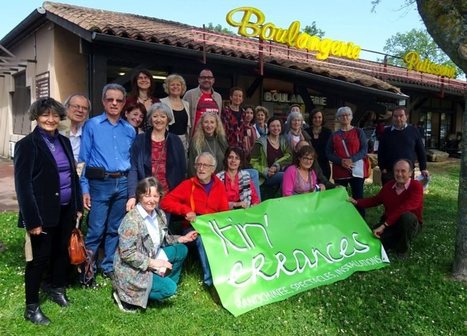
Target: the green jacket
(259, 159)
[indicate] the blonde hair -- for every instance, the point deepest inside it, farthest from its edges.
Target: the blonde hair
(199, 138)
(174, 78)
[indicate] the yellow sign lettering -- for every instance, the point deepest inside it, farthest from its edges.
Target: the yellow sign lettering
(252, 24)
(414, 62)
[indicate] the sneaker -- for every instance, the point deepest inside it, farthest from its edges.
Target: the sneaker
(123, 306)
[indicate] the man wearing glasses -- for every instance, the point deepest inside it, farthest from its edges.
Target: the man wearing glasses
(77, 111)
(105, 150)
(203, 98)
(201, 194)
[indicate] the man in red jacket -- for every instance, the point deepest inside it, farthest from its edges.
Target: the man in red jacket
(402, 199)
(199, 195)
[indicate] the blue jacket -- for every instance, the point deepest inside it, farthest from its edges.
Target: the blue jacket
(140, 158)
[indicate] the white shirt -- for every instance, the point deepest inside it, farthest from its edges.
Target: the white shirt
(152, 224)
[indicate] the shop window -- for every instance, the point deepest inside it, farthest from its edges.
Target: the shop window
(21, 100)
(425, 128)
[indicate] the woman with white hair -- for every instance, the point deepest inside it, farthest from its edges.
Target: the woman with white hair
(175, 86)
(156, 153)
(346, 146)
(295, 132)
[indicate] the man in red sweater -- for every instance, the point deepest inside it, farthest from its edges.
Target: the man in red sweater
(402, 199)
(199, 195)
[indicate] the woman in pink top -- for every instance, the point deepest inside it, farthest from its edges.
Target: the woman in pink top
(303, 176)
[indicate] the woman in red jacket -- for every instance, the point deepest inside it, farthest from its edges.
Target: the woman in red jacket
(201, 194)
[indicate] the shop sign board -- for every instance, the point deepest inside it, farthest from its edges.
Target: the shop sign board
(284, 97)
(253, 24)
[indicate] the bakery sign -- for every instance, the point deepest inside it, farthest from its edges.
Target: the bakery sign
(283, 97)
(414, 62)
(251, 23)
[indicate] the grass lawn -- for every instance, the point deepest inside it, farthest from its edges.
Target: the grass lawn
(411, 297)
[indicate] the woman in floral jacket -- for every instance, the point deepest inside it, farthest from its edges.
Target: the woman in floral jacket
(149, 259)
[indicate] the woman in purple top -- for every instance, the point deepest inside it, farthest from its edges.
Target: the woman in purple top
(50, 202)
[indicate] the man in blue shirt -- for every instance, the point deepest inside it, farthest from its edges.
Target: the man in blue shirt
(105, 150)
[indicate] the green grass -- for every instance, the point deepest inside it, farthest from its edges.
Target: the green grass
(411, 297)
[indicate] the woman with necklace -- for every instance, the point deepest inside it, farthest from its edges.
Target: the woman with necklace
(319, 138)
(304, 175)
(295, 133)
(271, 154)
(261, 118)
(345, 147)
(232, 118)
(239, 186)
(175, 87)
(142, 87)
(50, 203)
(156, 153)
(209, 136)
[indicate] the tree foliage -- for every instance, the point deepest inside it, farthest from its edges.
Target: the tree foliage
(218, 29)
(314, 30)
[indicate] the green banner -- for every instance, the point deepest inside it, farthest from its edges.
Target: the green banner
(285, 246)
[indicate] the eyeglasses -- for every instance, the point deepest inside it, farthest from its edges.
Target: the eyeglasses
(203, 165)
(206, 77)
(79, 107)
(111, 100)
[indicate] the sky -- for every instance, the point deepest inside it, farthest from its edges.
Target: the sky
(344, 20)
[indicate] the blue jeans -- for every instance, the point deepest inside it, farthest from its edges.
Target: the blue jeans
(108, 200)
(165, 287)
(255, 178)
(274, 180)
(203, 258)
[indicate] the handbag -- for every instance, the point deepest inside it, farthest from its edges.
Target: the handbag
(76, 247)
(361, 167)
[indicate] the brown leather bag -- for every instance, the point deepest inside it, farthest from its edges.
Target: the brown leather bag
(76, 248)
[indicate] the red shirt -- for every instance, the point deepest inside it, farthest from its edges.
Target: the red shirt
(409, 200)
(233, 190)
(190, 196)
(158, 163)
(205, 104)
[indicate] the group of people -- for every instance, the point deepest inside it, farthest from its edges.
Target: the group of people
(144, 162)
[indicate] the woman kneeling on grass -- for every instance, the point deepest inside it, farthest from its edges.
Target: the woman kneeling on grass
(149, 259)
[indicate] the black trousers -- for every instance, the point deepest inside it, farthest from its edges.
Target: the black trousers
(398, 236)
(50, 253)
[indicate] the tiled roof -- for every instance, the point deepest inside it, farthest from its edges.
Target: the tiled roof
(152, 30)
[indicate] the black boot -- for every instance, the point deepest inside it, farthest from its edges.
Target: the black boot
(34, 314)
(58, 296)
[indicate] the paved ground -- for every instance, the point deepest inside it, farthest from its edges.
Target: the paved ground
(7, 187)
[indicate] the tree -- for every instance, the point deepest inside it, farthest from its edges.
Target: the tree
(218, 29)
(415, 40)
(314, 30)
(446, 22)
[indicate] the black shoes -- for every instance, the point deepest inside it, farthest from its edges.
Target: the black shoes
(34, 314)
(58, 296)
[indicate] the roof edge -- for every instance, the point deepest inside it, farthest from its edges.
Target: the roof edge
(24, 28)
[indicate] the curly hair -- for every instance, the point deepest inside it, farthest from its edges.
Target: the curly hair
(45, 104)
(199, 138)
(174, 78)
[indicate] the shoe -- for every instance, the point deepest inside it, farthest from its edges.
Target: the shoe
(34, 314)
(108, 275)
(123, 306)
(58, 296)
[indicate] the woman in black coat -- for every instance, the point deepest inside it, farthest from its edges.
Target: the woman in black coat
(50, 201)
